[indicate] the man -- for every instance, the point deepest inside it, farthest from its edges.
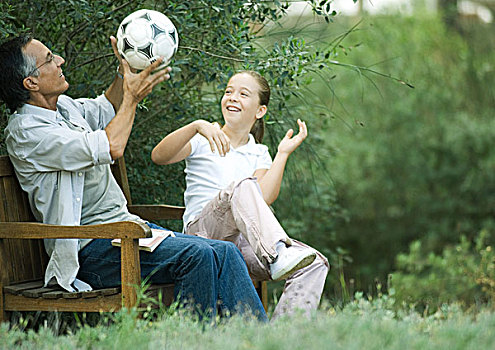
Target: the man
(61, 149)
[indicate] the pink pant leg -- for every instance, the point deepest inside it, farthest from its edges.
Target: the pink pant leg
(302, 290)
(241, 210)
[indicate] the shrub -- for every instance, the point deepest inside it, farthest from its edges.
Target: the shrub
(463, 273)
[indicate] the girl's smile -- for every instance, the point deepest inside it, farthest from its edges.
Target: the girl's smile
(240, 103)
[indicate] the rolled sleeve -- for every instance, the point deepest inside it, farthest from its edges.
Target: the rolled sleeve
(98, 112)
(100, 147)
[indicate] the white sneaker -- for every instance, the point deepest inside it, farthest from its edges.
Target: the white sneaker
(290, 260)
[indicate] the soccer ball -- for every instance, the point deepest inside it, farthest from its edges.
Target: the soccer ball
(146, 35)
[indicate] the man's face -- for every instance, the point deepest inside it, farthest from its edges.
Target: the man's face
(51, 80)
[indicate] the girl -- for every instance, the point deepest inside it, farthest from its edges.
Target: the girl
(231, 181)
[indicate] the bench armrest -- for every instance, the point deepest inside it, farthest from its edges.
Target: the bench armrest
(156, 211)
(33, 230)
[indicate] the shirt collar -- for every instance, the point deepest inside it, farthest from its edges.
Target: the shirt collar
(249, 147)
(31, 109)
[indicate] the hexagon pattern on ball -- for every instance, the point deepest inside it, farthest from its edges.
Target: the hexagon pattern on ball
(144, 36)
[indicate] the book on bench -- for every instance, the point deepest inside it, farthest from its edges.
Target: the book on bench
(149, 244)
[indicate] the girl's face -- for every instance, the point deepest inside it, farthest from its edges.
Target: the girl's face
(241, 103)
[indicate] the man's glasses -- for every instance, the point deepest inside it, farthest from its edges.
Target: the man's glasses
(50, 59)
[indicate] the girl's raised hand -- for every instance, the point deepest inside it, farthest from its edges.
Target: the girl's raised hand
(289, 143)
(215, 136)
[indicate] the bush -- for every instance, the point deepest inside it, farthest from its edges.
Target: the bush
(463, 273)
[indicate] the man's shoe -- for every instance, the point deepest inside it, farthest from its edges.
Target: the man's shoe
(290, 260)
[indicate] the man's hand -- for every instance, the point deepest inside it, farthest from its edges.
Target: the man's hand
(289, 143)
(139, 85)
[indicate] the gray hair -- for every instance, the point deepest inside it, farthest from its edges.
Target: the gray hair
(29, 66)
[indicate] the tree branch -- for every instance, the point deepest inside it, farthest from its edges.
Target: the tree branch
(212, 54)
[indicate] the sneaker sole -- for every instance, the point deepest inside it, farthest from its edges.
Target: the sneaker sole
(283, 274)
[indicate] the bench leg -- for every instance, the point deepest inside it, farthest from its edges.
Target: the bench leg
(261, 289)
(264, 294)
(4, 315)
(131, 271)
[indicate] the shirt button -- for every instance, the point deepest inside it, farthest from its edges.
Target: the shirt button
(79, 174)
(78, 199)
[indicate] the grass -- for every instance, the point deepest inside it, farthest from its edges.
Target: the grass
(370, 324)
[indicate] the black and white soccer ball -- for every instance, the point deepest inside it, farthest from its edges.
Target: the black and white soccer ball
(146, 35)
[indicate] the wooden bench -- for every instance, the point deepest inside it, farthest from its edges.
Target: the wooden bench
(23, 258)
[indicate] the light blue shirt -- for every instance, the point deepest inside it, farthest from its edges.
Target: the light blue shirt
(51, 152)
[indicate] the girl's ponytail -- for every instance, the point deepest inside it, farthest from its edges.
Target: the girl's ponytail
(258, 130)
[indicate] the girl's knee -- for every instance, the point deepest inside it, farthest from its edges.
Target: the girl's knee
(321, 262)
(248, 184)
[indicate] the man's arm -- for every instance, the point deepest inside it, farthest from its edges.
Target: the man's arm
(115, 91)
(124, 95)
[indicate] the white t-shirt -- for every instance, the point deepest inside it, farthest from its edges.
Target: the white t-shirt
(207, 173)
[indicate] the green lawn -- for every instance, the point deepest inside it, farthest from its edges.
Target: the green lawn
(362, 324)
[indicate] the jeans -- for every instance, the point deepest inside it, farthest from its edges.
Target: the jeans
(207, 272)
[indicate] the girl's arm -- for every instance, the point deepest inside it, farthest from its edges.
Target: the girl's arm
(176, 146)
(271, 179)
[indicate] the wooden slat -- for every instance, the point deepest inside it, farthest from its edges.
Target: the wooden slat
(38, 292)
(35, 258)
(31, 230)
(92, 294)
(111, 291)
(87, 295)
(3, 200)
(157, 211)
(103, 304)
(71, 295)
(22, 203)
(52, 295)
(6, 168)
(18, 288)
(12, 205)
(20, 261)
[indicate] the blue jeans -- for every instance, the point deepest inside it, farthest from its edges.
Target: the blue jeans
(209, 272)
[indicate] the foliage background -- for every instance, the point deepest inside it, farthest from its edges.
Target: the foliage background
(404, 164)
(384, 166)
